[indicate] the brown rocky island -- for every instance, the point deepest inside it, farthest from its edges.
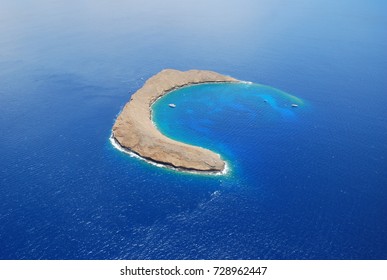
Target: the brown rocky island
(134, 130)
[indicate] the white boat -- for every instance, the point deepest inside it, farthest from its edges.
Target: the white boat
(294, 105)
(172, 105)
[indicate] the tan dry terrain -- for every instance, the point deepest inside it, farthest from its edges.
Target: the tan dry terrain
(134, 129)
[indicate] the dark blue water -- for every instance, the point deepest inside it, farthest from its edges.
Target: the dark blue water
(305, 183)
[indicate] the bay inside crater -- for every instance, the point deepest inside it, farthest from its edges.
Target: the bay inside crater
(227, 118)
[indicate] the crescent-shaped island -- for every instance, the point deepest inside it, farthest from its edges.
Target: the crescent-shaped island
(134, 130)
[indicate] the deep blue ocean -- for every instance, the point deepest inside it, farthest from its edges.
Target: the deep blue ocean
(304, 183)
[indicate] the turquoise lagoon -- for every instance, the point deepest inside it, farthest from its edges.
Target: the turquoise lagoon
(207, 115)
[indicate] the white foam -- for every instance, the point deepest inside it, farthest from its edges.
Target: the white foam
(132, 154)
(246, 82)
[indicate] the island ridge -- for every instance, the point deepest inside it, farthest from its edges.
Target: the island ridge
(134, 130)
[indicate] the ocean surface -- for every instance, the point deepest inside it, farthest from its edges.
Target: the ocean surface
(304, 183)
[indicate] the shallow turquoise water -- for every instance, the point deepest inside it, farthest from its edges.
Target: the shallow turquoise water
(221, 116)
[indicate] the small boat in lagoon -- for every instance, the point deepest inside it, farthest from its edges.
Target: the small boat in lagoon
(172, 105)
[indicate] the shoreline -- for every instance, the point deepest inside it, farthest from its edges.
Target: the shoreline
(135, 133)
(117, 146)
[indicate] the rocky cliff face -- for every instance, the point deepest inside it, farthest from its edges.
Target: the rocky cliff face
(135, 131)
